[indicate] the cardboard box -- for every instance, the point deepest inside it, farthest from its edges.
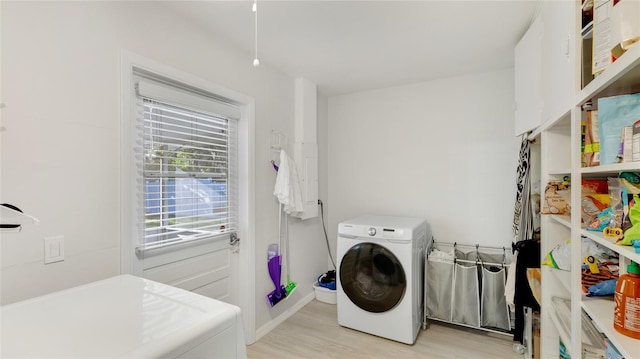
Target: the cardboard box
(625, 26)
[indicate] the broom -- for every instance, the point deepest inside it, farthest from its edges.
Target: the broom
(291, 285)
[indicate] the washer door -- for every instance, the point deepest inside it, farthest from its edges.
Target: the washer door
(372, 277)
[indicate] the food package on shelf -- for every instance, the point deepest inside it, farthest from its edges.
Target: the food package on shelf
(557, 198)
(591, 149)
(614, 113)
(560, 256)
(604, 262)
(599, 269)
(615, 212)
(611, 352)
(595, 199)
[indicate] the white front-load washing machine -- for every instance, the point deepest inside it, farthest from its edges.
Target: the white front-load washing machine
(380, 277)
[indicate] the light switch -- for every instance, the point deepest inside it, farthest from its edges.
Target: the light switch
(53, 249)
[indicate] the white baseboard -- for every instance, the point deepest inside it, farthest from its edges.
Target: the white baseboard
(270, 325)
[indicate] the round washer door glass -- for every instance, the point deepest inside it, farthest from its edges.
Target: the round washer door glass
(372, 277)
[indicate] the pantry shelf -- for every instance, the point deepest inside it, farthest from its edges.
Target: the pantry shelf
(558, 121)
(560, 172)
(563, 276)
(562, 327)
(601, 311)
(564, 220)
(626, 251)
(620, 78)
(610, 170)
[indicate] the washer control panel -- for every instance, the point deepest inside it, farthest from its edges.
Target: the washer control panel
(382, 227)
(373, 232)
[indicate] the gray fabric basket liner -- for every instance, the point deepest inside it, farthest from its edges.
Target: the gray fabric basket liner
(439, 289)
(494, 308)
(466, 295)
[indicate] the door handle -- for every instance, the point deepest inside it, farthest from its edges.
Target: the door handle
(234, 242)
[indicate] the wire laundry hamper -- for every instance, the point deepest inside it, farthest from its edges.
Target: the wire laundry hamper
(467, 287)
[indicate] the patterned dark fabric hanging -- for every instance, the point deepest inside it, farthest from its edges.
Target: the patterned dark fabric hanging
(522, 216)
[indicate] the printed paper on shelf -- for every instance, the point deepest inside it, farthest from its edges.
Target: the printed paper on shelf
(601, 35)
(636, 141)
(627, 133)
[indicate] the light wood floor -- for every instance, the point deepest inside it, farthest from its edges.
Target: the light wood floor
(313, 332)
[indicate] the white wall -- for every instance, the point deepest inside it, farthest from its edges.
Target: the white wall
(60, 151)
(442, 150)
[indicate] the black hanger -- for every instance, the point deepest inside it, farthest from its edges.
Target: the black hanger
(10, 226)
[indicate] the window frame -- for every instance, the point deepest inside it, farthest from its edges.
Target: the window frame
(152, 99)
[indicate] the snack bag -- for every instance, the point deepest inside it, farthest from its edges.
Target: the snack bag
(615, 203)
(602, 220)
(559, 257)
(557, 198)
(630, 182)
(596, 273)
(633, 233)
(592, 206)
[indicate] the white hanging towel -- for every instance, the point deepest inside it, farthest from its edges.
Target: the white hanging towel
(287, 187)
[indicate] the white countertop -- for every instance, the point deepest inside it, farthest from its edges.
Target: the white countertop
(123, 316)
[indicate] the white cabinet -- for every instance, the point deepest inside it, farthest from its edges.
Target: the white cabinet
(558, 58)
(545, 67)
(527, 74)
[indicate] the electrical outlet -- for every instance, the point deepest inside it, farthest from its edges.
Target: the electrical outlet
(53, 249)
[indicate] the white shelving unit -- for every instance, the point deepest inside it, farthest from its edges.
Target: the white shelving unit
(601, 312)
(558, 146)
(620, 78)
(563, 324)
(555, 165)
(563, 277)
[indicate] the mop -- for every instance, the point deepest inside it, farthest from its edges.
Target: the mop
(280, 292)
(287, 190)
(275, 268)
(291, 285)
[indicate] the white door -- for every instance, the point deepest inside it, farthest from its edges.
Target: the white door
(207, 267)
(186, 188)
(206, 260)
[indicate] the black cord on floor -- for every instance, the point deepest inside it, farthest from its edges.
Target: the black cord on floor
(326, 238)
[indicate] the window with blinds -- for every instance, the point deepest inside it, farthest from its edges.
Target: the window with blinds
(188, 162)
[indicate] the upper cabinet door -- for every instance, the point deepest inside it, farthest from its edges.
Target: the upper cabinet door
(558, 58)
(528, 79)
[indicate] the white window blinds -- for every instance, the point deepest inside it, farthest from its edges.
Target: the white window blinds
(187, 165)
